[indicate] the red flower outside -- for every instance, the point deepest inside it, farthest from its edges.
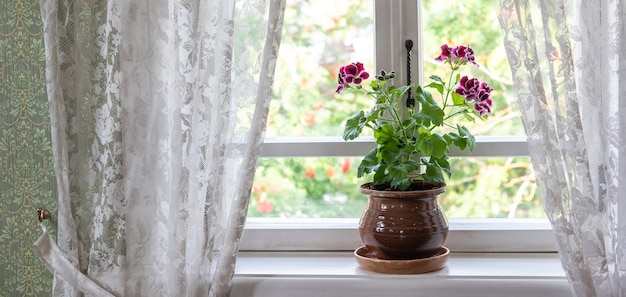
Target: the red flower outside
(330, 172)
(345, 167)
(310, 173)
(265, 205)
(309, 118)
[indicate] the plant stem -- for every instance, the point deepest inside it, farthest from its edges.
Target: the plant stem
(448, 89)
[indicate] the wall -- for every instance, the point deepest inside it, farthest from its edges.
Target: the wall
(26, 173)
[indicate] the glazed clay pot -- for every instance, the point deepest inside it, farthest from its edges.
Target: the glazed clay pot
(400, 225)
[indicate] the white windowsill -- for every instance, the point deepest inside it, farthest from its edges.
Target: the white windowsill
(337, 274)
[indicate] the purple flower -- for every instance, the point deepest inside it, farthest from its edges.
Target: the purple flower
(468, 88)
(483, 99)
(458, 55)
(483, 108)
(463, 54)
(340, 88)
(479, 92)
(353, 73)
(445, 53)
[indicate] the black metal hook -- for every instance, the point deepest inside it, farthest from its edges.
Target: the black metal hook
(408, 44)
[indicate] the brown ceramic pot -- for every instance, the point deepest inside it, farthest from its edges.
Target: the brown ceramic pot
(403, 224)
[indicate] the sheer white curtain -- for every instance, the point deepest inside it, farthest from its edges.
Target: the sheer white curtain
(568, 60)
(157, 111)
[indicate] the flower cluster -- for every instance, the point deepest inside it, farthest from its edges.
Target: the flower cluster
(420, 137)
(351, 74)
(456, 56)
(476, 91)
(470, 88)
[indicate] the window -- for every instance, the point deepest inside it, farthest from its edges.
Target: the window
(308, 172)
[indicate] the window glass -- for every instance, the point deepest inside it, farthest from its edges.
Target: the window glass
(474, 23)
(328, 188)
(319, 38)
(307, 188)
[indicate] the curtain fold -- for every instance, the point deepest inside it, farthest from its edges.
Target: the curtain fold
(158, 108)
(567, 60)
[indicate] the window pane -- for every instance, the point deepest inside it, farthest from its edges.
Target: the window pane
(307, 188)
(492, 188)
(328, 188)
(474, 23)
(318, 38)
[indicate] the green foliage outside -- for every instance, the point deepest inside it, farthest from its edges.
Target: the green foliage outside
(316, 42)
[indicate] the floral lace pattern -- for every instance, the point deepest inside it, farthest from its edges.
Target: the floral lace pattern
(157, 111)
(567, 60)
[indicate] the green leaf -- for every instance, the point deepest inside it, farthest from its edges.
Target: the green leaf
(439, 87)
(397, 171)
(457, 99)
(409, 150)
(369, 163)
(376, 85)
(429, 106)
(443, 164)
(466, 134)
(434, 174)
(470, 117)
(433, 145)
(399, 175)
(412, 165)
(401, 184)
(460, 142)
(389, 153)
(401, 90)
(435, 167)
(372, 114)
(381, 176)
(451, 137)
(422, 119)
(384, 134)
(440, 146)
(436, 78)
(354, 126)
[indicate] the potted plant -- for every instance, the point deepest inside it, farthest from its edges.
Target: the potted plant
(410, 160)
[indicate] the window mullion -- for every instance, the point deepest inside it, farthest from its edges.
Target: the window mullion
(394, 23)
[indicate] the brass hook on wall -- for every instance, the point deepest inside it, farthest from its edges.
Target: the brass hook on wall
(42, 214)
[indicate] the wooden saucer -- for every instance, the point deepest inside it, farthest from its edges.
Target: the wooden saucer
(411, 266)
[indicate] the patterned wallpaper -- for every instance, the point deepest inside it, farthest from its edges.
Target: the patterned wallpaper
(26, 172)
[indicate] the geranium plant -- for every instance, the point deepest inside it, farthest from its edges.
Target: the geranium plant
(414, 140)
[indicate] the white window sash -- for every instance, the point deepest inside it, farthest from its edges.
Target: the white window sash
(465, 235)
(486, 146)
(395, 22)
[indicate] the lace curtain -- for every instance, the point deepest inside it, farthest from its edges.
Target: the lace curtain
(157, 111)
(568, 61)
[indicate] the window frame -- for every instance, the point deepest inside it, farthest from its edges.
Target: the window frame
(465, 235)
(394, 22)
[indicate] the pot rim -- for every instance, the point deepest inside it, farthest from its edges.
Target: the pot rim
(437, 189)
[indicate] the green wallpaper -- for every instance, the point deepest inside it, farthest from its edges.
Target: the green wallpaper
(26, 171)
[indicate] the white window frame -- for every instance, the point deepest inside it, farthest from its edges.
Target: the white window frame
(395, 21)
